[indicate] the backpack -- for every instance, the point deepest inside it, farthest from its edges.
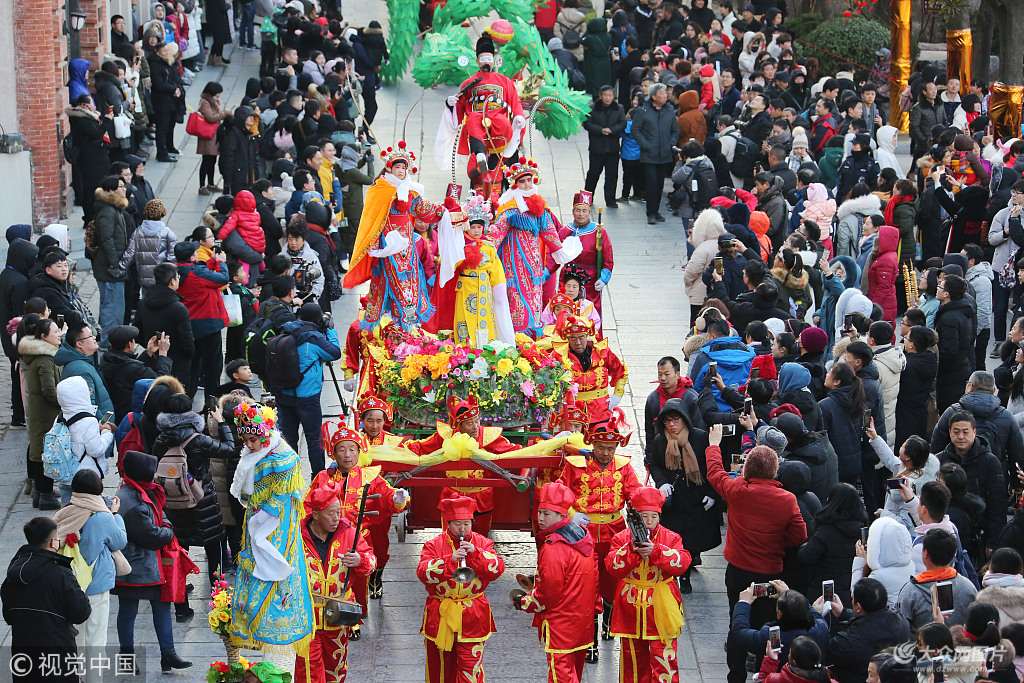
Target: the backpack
(183, 492)
(257, 334)
(707, 187)
(71, 152)
(282, 366)
(570, 36)
(961, 562)
(745, 158)
(91, 243)
(59, 462)
(733, 365)
(132, 441)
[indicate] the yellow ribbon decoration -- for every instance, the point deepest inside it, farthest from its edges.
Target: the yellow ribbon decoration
(455, 448)
(451, 621)
(668, 614)
(459, 446)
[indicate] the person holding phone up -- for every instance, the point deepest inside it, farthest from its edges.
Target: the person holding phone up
(92, 441)
(938, 584)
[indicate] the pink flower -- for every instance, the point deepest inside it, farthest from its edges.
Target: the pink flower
(528, 388)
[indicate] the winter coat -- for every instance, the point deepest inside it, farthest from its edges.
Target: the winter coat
(1005, 244)
(793, 290)
(202, 524)
(692, 124)
(860, 639)
(733, 275)
(141, 190)
(74, 363)
(744, 312)
(794, 382)
(890, 362)
(611, 117)
(102, 534)
(314, 348)
(165, 81)
(222, 471)
(889, 557)
(41, 378)
(915, 601)
(684, 175)
(859, 167)
(211, 110)
(904, 218)
(830, 553)
(821, 212)
(42, 602)
(272, 231)
(242, 234)
(654, 404)
(111, 236)
(916, 383)
(795, 477)
(239, 152)
(923, 117)
(121, 371)
(151, 244)
(704, 237)
(954, 323)
(145, 538)
(14, 287)
(87, 136)
(109, 94)
(844, 431)
(995, 423)
(162, 310)
(773, 203)
(851, 215)
(597, 60)
(573, 19)
(745, 638)
(980, 276)
(814, 450)
(1009, 600)
(656, 131)
(984, 479)
(684, 510)
(885, 154)
(90, 444)
(200, 292)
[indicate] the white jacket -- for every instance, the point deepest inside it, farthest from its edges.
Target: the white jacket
(850, 220)
(980, 277)
(890, 363)
(885, 154)
(90, 444)
(889, 557)
(706, 228)
(1003, 244)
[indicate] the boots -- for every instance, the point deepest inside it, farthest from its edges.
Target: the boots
(606, 628)
(47, 501)
(171, 660)
(592, 651)
(375, 585)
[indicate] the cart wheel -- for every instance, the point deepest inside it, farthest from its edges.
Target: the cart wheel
(400, 527)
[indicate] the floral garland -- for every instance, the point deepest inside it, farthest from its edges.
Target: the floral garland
(514, 385)
(219, 617)
(222, 672)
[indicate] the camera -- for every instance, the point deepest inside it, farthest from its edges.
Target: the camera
(305, 274)
(327, 322)
(678, 151)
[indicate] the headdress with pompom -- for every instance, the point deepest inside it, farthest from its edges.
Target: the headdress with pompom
(478, 209)
(399, 152)
(520, 168)
(256, 419)
(575, 272)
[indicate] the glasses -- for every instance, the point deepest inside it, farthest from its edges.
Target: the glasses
(82, 339)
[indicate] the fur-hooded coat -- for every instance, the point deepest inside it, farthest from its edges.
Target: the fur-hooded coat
(704, 237)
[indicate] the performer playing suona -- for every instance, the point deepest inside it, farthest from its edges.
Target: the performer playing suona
(648, 615)
(594, 369)
(564, 596)
(457, 617)
(327, 539)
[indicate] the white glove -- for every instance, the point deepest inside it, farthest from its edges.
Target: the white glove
(581, 519)
(571, 248)
(666, 489)
(613, 401)
(401, 495)
(350, 384)
(599, 285)
(708, 502)
(452, 100)
(518, 122)
(394, 242)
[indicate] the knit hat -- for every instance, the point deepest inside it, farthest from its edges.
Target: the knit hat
(138, 466)
(790, 425)
(963, 143)
(800, 140)
(765, 365)
(771, 437)
(154, 210)
(785, 408)
(774, 325)
(183, 251)
(707, 71)
(813, 339)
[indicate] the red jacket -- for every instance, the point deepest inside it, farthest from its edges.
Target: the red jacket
(768, 674)
(633, 613)
(385, 506)
(327, 581)
(601, 493)
(564, 598)
(764, 519)
(883, 270)
(246, 220)
(200, 292)
(546, 15)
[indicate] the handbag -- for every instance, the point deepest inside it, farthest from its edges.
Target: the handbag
(175, 566)
(201, 128)
(233, 306)
(79, 567)
(122, 126)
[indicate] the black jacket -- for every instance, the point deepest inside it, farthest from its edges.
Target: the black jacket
(108, 92)
(87, 136)
(954, 323)
(166, 81)
(14, 287)
(859, 167)
(916, 383)
(621, 70)
(121, 371)
(855, 640)
(805, 402)
(758, 128)
(58, 295)
(829, 552)
(742, 313)
(984, 479)
(815, 450)
(782, 170)
(239, 152)
(1012, 535)
(271, 226)
(161, 310)
(655, 131)
(652, 407)
(202, 524)
(601, 117)
(995, 423)
(732, 275)
(42, 601)
(923, 117)
(795, 477)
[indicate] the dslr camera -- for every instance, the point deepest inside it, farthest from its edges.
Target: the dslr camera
(305, 274)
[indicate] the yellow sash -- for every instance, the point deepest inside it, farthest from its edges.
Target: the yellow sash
(451, 621)
(668, 614)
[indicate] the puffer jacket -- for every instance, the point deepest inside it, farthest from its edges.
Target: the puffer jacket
(889, 556)
(655, 131)
(995, 423)
(202, 524)
(704, 237)
(879, 279)
(149, 246)
(954, 323)
(243, 236)
(773, 203)
(90, 444)
(611, 117)
(108, 92)
(924, 116)
(14, 287)
(41, 378)
(692, 124)
(980, 276)
(111, 236)
(890, 361)
(984, 479)
(844, 431)
(72, 363)
(830, 552)
(904, 219)
(814, 450)
(915, 394)
(145, 538)
(851, 215)
(239, 151)
(1004, 243)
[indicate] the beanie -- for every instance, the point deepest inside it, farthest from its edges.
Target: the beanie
(813, 340)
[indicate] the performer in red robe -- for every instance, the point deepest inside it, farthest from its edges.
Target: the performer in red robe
(327, 538)
(602, 484)
(594, 369)
(457, 618)
(464, 416)
(648, 614)
(564, 596)
(597, 259)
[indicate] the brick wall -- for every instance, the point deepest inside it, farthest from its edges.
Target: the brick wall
(95, 37)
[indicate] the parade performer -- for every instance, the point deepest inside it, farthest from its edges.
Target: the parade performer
(601, 485)
(597, 258)
(385, 250)
(346, 446)
(648, 614)
(594, 369)
(374, 415)
(360, 365)
(564, 596)
(271, 608)
(474, 303)
(571, 299)
(464, 416)
(524, 231)
(327, 539)
(457, 618)
(572, 418)
(488, 108)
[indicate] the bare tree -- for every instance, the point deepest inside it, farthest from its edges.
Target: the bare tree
(1009, 17)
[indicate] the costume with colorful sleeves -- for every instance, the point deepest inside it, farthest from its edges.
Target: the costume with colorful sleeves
(594, 371)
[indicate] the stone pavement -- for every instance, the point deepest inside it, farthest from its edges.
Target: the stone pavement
(646, 314)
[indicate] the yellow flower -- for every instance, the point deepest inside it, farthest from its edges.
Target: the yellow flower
(224, 616)
(523, 365)
(214, 622)
(504, 367)
(497, 396)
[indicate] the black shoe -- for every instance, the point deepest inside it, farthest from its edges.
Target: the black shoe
(611, 204)
(189, 588)
(49, 501)
(375, 585)
(685, 587)
(35, 499)
(354, 633)
(592, 654)
(171, 660)
(182, 616)
(226, 61)
(171, 150)
(624, 198)
(651, 220)
(167, 159)
(658, 217)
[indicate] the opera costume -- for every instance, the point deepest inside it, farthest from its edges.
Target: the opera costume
(597, 259)
(595, 369)
(581, 308)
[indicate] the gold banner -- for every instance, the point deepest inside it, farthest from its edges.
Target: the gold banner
(1005, 109)
(959, 44)
(899, 64)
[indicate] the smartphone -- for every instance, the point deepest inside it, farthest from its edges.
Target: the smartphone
(713, 369)
(748, 406)
(107, 417)
(755, 372)
(211, 403)
(775, 636)
(728, 430)
(158, 334)
(944, 590)
(864, 536)
(60, 321)
(766, 590)
(866, 419)
(990, 655)
(738, 459)
(828, 590)
(719, 265)
(827, 254)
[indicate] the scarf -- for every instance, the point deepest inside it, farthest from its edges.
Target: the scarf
(520, 197)
(1004, 580)
(152, 494)
(71, 518)
(890, 207)
(245, 474)
(679, 452)
(403, 187)
(930, 575)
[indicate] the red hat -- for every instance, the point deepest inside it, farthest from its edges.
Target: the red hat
(562, 299)
(813, 339)
(573, 411)
(556, 497)
(583, 198)
(323, 495)
(604, 435)
(371, 402)
(765, 365)
(785, 408)
(648, 499)
(334, 433)
(461, 507)
(574, 325)
(460, 410)
(707, 71)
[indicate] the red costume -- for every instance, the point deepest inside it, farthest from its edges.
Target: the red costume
(594, 370)
(564, 597)
(329, 647)
(457, 617)
(358, 359)
(596, 258)
(647, 617)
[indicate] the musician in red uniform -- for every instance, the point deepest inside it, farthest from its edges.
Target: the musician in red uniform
(345, 446)
(648, 614)
(457, 618)
(327, 539)
(360, 365)
(594, 369)
(601, 485)
(464, 416)
(571, 419)
(564, 596)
